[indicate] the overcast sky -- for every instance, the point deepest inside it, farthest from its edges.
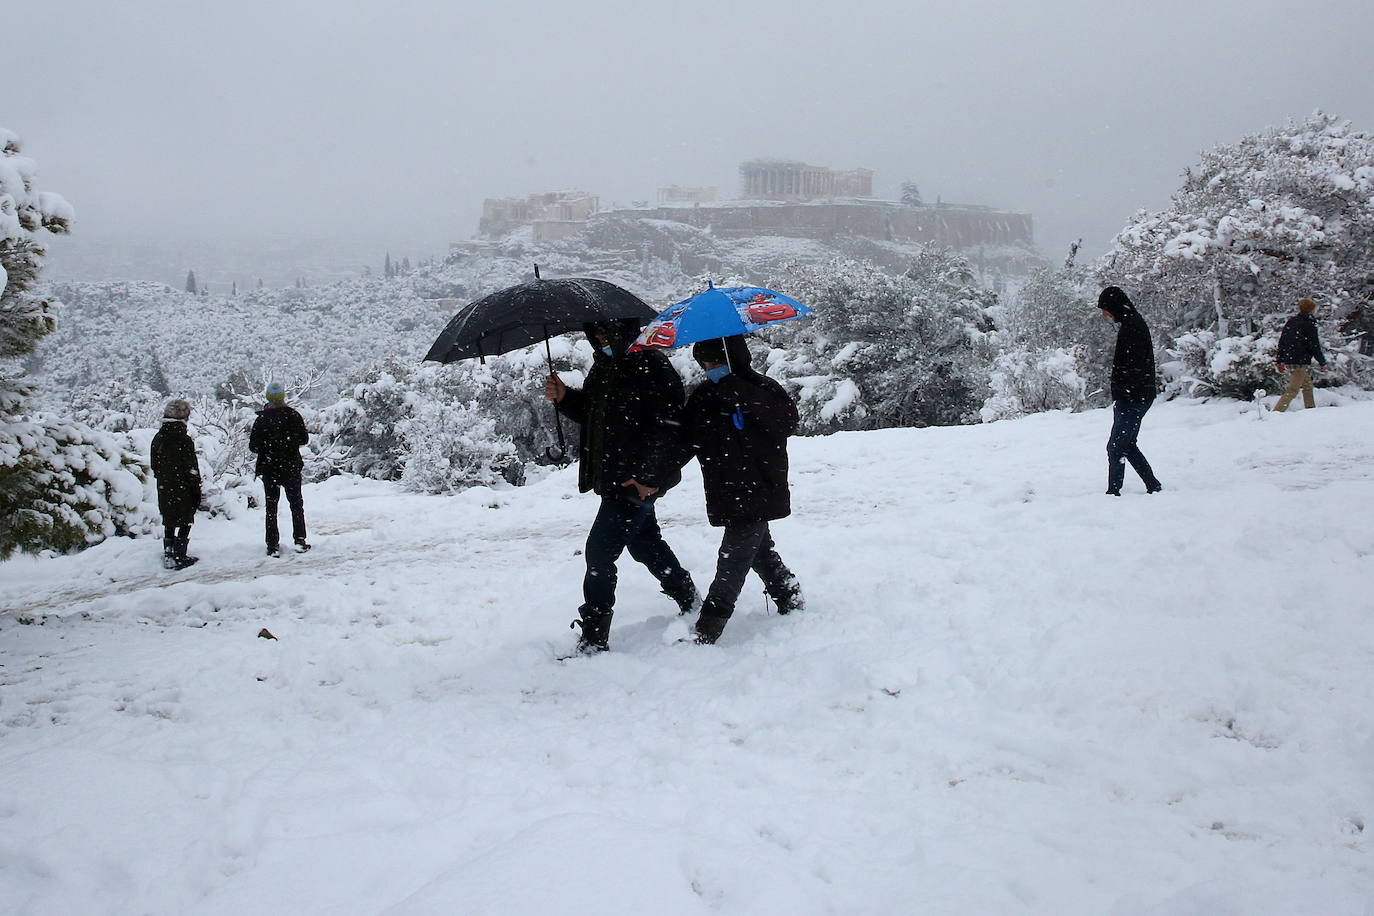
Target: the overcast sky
(391, 121)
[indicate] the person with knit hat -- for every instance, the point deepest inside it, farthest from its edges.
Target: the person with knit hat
(1133, 390)
(277, 436)
(738, 422)
(1299, 344)
(178, 483)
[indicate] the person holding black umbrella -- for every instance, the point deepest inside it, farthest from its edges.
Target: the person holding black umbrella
(629, 450)
(738, 422)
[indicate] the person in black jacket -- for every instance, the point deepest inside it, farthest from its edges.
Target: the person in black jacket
(277, 436)
(178, 483)
(737, 423)
(1298, 346)
(1133, 390)
(629, 411)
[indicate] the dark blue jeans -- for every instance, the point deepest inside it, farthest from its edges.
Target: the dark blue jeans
(620, 526)
(1121, 447)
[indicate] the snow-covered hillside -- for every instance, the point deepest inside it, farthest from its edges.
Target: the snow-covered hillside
(1009, 693)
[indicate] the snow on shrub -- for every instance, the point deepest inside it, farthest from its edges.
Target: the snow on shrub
(64, 486)
(450, 447)
(1027, 381)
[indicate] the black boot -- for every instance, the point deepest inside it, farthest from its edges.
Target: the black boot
(182, 560)
(1116, 476)
(685, 594)
(787, 595)
(712, 622)
(169, 553)
(595, 622)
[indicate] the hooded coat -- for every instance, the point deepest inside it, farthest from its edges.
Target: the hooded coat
(178, 473)
(277, 436)
(630, 412)
(738, 429)
(1133, 364)
(1299, 342)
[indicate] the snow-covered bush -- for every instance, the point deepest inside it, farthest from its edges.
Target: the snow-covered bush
(406, 421)
(449, 447)
(883, 350)
(64, 485)
(1027, 381)
(1234, 366)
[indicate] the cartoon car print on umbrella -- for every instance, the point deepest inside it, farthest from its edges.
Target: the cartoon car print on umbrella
(718, 312)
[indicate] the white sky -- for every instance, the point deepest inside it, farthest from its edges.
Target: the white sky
(362, 120)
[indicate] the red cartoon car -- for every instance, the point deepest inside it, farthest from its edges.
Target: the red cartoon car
(767, 311)
(661, 336)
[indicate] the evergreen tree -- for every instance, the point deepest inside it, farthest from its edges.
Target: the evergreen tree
(62, 484)
(234, 290)
(911, 194)
(191, 282)
(386, 268)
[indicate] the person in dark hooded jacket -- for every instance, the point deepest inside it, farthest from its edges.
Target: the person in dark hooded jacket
(1133, 390)
(737, 423)
(629, 410)
(276, 438)
(1299, 344)
(177, 471)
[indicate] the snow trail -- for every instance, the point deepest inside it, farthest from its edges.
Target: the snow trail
(1008, 693)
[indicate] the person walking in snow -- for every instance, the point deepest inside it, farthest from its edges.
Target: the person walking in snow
(629, 410)
(277, 436)
(1298, 346)
(177, 471)
(1133, 390)
(737, 424)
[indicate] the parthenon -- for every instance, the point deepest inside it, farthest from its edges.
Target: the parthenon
(779, 179)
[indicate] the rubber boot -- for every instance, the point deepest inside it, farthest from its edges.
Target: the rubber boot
(169, 553)
(1116, 476)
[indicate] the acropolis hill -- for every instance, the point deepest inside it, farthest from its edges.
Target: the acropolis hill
(778, 198)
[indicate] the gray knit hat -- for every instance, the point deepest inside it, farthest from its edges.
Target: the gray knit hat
(177, 409)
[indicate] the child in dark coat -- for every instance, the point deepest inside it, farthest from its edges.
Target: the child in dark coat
(737, 423)
(178, 483)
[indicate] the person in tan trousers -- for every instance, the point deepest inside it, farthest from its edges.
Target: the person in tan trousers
(1298, 346)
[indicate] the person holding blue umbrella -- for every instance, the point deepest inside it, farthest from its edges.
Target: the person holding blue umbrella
(738, 422)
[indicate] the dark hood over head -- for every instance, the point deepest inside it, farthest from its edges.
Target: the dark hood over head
(715, 350)
(620, 333)
(1115, 301)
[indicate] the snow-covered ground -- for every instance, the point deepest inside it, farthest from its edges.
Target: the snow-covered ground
(1009, 693)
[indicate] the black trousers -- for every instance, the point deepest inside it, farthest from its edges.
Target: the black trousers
(1126, 419)
(619, 526)
(272, 487)
(745, 546)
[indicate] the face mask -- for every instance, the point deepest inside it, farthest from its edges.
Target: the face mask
(718, 373)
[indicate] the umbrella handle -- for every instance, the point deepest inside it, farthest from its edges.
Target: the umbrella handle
(561, 456)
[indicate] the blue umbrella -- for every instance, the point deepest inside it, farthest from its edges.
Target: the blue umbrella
(718, 312)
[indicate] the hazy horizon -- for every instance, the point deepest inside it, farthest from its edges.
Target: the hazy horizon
(384, 126)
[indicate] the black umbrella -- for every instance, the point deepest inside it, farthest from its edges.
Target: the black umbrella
(519, 316)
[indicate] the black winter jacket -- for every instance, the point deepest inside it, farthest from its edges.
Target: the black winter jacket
(1133, 365)
(630, 413)
(738, 429)
(1299, 343)
(177, 472)
(277, 436)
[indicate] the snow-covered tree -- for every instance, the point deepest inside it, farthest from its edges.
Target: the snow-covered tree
(62, 484)
(883, 350)
(191, 286)
(1283, 214)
